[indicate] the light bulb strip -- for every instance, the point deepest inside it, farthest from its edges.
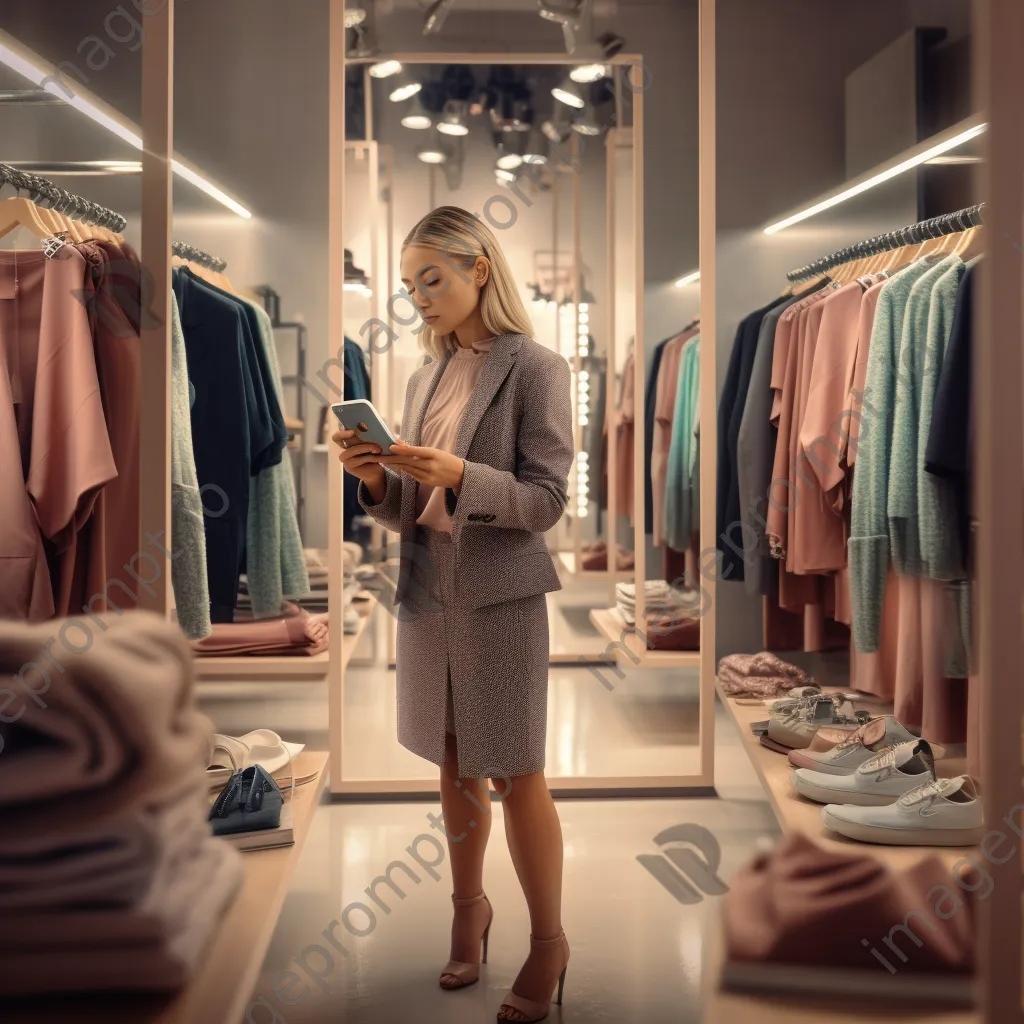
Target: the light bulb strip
(41, 73)
(958, 135)
(688, 279)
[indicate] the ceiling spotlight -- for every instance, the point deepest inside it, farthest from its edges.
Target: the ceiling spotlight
(535, 151)
(436, 151)
(567, 92)
(511, 147)
(556, 131)
(417, 118)
(453, 122)
(586, 123)
(385, 68)
(354, 16)
(576, 19)
(586, 73)
(437, 12)
(404, 89)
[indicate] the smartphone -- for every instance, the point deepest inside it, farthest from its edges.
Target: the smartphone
(359, 415)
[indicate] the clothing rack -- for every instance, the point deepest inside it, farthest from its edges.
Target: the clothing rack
(204, 259)
(44, 193)
(914, 234)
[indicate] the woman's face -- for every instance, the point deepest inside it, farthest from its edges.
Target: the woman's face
(445, 293)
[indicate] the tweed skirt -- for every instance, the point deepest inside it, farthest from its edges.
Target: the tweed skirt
(478, 673)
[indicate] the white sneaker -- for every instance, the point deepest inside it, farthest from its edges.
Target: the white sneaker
(879, 780)
(943, 812)
(847, 757)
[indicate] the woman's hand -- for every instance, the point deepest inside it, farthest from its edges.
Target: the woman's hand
(428, 465)
(361, 459)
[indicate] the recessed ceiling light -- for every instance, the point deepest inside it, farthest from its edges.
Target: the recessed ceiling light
(509, 161)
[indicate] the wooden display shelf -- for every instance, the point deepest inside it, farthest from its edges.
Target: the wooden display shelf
(609, 623)
(221, 989)
(567, 560)
(722, 1007)
(283, 666)
(795, 813)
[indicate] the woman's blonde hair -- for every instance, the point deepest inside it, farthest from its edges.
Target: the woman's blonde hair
(464, 238)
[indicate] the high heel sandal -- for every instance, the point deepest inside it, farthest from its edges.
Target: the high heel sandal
(467, 973)
(531, 1009)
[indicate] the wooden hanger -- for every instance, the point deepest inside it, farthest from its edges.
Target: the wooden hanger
(21, 212)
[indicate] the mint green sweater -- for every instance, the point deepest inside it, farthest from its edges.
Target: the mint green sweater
(868, 547)
(930, 308)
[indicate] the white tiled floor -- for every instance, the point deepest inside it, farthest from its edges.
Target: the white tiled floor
(636, 951)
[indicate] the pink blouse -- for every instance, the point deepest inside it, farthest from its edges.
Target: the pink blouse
(441, 423)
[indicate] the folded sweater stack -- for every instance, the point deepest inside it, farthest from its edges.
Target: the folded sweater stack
(110, 878)
(666, 606)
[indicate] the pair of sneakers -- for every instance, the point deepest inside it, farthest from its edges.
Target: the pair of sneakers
(794, 721)
(881, 787)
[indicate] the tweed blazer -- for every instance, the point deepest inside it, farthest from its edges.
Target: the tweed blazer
(516, 438)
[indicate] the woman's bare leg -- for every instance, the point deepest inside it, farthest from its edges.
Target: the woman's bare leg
(466, 806)
(534, 836)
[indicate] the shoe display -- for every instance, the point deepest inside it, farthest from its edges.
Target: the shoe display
(880, 780)
(795, 728)
(942, 812)
(859, 746)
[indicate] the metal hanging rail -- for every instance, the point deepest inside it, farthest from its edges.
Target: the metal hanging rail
(914, 234)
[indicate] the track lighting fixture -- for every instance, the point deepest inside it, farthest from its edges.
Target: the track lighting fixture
(586, 123)
(405, 88)
(354, 15)
(556, 130)
(511, 147)
(436, 151)
(361, 34)
(453, 121)
(535, 152)
(417, 118)
(437, 12)
(586, 73)
(385, 68)
(568, 92)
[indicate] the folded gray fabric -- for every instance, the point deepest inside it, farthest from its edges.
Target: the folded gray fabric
(114, 864)
(115, 727)
(198, 897)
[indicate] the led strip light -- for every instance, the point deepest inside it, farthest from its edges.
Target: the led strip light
(927, 151)
(20, 59)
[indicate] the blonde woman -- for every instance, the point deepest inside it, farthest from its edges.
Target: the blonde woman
(479, 478)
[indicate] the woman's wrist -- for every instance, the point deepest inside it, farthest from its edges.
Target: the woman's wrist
(377, 487)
